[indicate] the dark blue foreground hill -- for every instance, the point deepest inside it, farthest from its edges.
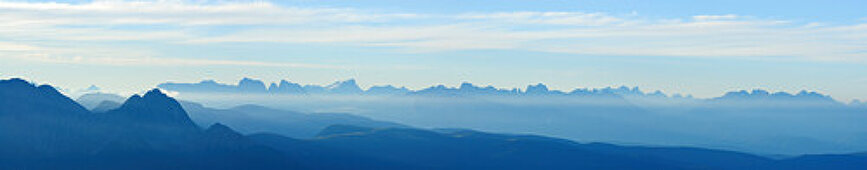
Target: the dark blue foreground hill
(43, 129)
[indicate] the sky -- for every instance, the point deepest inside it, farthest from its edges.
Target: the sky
(701, 48)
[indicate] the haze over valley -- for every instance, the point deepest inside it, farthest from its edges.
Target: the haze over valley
(433, 84)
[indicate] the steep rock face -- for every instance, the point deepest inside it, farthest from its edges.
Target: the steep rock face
(286, 87)
(344, 87)
(249, 85)
(538, 89)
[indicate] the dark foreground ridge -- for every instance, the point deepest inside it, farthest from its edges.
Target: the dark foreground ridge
(43, 129)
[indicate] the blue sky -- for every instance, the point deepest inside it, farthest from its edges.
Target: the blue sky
(701, 48)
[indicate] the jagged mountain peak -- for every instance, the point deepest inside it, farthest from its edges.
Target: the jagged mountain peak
(344, 83)
(252, 85)
(286, 87)
(154, 108)
(93, 88)
(344, 87)
(466, 85)
(536, 89)
(152, 99)
(156, 93)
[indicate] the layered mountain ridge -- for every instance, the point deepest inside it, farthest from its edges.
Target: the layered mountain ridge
(43, 129)
(350, 87)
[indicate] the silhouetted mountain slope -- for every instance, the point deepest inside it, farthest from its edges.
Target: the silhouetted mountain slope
(105, 106)
(465, 149)
(692, 158)
(38, 123)
(21, 97)
(42, 129)
(154, 109)
(838, 161)
(471, 150)
(257, 119)
(313, 155)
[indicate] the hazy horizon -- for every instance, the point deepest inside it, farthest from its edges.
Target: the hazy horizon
(700, 48)
(433, 84)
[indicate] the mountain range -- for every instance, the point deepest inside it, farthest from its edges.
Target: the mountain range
(43, 129)
(350, 87)
(251, 118)
(748, 121)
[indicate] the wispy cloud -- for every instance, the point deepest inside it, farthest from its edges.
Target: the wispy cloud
(7, 46)
(185, 22)
(101, 12)
(153, 61)
(715, 17)
(556, 18)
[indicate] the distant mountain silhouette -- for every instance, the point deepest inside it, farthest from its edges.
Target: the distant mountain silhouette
(387, 90)
(258, 119)
(252, 118)
(350, 87)
(540, 90)
(106, 106)
(344, 87)
(465, 89)
(763, 95)
(248, 85)
(625, 114)
(92, 100)
(286, 87)
(252, 86)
